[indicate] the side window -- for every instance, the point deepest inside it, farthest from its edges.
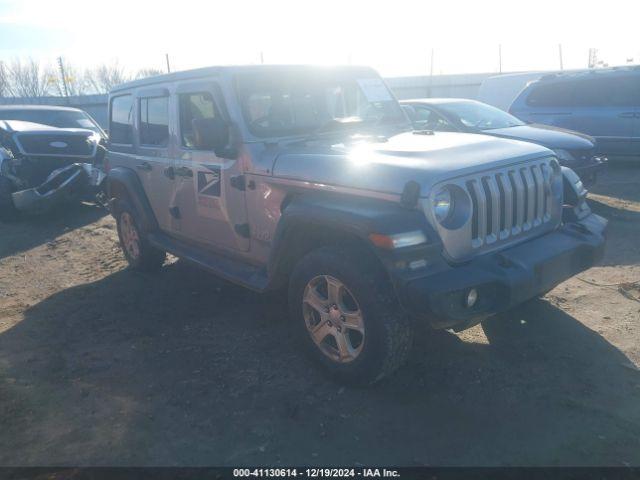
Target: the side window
(121, 121)
(605, 91)
(197, 113)
(559, 94)
(589, 93)
(624, 91)
(154, 121)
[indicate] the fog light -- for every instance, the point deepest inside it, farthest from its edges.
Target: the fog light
(472, 297)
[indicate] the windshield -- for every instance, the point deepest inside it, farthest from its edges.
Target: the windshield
(53, 118)
(303, 103)
(481, 116)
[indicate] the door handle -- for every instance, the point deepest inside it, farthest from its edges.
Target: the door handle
(184, 172)
(170, 172)
(146, 166)
(627, 115)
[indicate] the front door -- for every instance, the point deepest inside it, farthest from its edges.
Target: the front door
(211, 207)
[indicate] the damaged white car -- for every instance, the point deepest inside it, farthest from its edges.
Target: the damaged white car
(43, 166)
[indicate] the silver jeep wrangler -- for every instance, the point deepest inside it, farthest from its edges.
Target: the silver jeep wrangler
(312, 179)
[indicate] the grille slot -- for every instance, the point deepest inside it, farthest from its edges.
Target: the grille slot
(509, 202)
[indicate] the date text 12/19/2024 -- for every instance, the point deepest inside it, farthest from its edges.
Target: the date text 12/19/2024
(315, 473)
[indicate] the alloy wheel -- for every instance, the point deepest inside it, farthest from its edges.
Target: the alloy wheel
(333, 318)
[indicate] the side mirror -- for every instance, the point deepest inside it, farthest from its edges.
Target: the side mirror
(212, 134)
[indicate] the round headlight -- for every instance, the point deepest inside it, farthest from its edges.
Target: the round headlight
(442, 204)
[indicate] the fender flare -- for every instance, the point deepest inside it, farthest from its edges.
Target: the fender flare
(354, 216)
(121, 178)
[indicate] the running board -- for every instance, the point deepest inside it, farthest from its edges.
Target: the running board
(249, 276)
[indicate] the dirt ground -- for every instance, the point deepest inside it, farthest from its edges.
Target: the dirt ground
(103, 366)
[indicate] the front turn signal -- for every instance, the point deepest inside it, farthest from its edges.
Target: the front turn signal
(398, 240)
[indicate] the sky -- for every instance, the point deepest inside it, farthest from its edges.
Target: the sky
(394, 36)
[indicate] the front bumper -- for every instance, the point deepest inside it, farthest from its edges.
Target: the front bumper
(506, 278)
(60, 186)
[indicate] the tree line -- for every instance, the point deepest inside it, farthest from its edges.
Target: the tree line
(32, 78)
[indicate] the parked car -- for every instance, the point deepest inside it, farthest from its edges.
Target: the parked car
(53, 116)
(602, 103)
(314, 180)
(42, 166)
(573, 149)
(501, 90)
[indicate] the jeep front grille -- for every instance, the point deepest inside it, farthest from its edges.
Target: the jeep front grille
(56, 144)
(509, 202)
(506, 205)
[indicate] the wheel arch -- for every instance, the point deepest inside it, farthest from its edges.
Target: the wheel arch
(313, 221)
(124, 185)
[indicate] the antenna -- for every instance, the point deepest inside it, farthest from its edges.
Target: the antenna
(166, 56)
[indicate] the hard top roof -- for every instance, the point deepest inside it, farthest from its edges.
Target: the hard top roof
(232, 69)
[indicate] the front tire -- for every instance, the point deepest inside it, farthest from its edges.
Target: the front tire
(140, 254)
(347, 316)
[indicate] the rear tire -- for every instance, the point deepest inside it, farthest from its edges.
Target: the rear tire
(8, 211)
(347, 316)
(141, 255)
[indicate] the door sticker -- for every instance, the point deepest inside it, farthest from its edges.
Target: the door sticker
(209, 181)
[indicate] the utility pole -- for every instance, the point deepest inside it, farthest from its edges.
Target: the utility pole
(499, 58)
(593, 57)
(166, 57)
(64, 77)
(560, 54)
(430, 75)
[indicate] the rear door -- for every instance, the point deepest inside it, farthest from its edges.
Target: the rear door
(606, 107)
(153, 159)
(208, 187)
(129, 147)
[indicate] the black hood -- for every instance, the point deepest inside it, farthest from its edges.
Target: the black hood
(546, 135)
